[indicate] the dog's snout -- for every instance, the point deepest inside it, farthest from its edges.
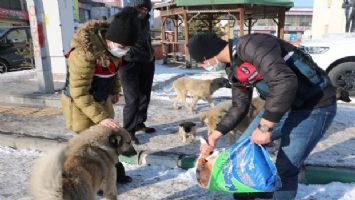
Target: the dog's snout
(128, 150)
(187, 129)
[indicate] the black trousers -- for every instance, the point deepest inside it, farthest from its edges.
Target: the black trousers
(136, 79)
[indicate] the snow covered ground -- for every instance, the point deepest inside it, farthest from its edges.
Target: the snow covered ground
(156, 182)
(149, 182)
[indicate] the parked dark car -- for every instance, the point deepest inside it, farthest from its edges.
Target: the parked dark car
(15, 48)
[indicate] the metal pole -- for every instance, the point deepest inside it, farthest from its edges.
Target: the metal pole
(40, 46)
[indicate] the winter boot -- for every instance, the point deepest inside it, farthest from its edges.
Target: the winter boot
(142, 127)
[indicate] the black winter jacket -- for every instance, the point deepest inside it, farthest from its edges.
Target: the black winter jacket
(142, 51)
(266, 53)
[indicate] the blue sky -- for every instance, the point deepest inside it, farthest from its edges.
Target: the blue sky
(303, 3)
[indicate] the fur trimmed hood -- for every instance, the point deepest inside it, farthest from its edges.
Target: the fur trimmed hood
(90, 39)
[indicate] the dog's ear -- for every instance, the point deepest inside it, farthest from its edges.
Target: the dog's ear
(114, 140)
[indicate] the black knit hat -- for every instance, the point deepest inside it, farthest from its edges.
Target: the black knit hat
(124, 27)
(141, 3)
(205, 46)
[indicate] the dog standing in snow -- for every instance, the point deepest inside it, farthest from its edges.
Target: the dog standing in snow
(215, 114)
(198, 89)
(80, 169)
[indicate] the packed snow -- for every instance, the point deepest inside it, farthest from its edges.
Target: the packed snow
(158, 182)
(149, 182)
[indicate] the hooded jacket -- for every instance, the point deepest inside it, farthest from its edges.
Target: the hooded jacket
(142, 51)
(92, 78)
(266, 53)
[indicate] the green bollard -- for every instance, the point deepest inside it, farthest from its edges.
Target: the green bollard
(186, 162)
(325, 175)
(133, 160)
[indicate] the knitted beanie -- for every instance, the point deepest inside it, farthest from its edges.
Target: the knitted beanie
(124, 27)
(205, 45)
(141, 3)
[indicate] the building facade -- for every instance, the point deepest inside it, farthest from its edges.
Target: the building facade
(98, 9)
(13, 12)
(298, 25)
(329, 18)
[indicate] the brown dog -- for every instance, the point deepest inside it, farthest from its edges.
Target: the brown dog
(215, 114)
(198, 89)
(82, 167)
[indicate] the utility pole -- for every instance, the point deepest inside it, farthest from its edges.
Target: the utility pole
(40, 46)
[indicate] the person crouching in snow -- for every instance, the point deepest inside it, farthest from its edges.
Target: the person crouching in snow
(92, 84)
(300, 101)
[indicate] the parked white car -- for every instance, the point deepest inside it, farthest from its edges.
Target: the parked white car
(336, 55)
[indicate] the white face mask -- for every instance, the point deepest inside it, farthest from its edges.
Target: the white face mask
(118, 52)
(219, 66)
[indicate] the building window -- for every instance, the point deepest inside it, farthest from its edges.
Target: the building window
(11, 4)
(84, 14)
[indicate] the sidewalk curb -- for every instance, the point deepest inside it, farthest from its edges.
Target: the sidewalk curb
(20, 141)
(32, 99)
(53, 100)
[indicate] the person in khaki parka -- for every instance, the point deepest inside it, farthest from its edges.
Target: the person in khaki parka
(92, 84)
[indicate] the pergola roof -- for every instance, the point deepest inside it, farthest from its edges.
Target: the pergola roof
(246, 12)
(283, 3)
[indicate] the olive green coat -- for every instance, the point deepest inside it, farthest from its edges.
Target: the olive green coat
(81, 110)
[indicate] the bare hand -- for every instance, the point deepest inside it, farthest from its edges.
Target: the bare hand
(206, 149)
(110, 123)
(259, 137)
(115, 98)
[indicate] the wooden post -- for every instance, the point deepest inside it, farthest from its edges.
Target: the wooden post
(162, 28)
(210, 23)
(175, 45)
(186, 34)
(241, 21)
(281, 24)
(249, 25)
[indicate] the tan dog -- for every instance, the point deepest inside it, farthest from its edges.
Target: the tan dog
(214, 115)
(187, 130)
(198, 89)
(82, 167)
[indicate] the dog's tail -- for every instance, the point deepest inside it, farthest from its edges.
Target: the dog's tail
(46, 178)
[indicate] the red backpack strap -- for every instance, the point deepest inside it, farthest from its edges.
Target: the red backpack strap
(246, 74)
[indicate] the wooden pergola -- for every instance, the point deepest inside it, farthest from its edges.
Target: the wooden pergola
(246, 12)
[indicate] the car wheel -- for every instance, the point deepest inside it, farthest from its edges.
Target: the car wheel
(343, 75)
(3, 66)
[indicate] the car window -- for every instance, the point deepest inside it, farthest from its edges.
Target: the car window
(2, 31)
(17, 36)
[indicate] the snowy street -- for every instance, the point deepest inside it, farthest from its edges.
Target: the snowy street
(159, 182)
(149, 182)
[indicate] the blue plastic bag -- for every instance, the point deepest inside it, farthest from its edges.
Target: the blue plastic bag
(241, 167)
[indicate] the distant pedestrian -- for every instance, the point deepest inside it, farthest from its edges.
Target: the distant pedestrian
(137, 75)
